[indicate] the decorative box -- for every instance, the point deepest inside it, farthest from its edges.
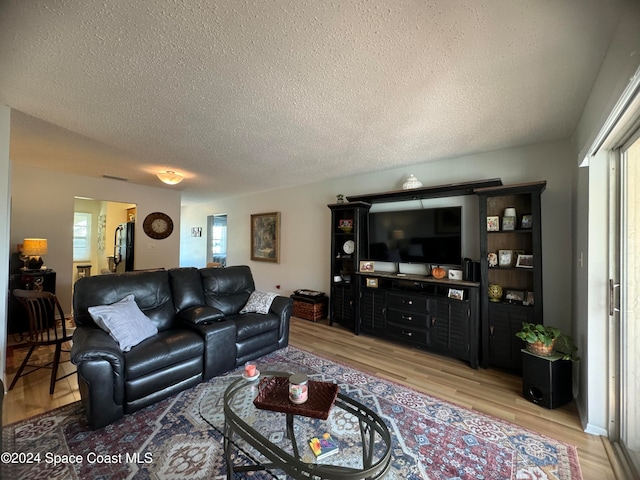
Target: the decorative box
(310, 308)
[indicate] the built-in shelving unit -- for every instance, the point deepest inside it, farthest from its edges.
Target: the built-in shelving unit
(451, 317)
(520, 282)
(348, 245)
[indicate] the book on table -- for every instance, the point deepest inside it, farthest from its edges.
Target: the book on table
(323, 446)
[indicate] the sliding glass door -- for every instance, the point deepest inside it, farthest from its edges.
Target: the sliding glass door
(628, 386)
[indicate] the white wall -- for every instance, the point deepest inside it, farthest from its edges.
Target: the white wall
(43, 204)
(305, 218)
(590, 317)
(5, 216)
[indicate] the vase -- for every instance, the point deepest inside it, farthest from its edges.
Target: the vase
(495, 292)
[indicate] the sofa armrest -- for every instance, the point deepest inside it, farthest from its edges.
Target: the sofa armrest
(219, 346)
(201, 314)
(100, 375)
(94, 344)
(283, 308)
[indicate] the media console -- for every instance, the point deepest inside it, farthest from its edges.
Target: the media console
(436, 315)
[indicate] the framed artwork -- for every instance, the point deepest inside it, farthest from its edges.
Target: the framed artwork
(508, 223)
(265, 237)
(372, 283)
(345, 224)
(366, 266)
(505, 258)
(492, 258)
(528, 298)
(524, 261)
(493, 224)
(196, 231)
(456, 294)
(527, 221)
(514, 296)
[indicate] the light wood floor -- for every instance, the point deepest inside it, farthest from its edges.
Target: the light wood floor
(489, 391)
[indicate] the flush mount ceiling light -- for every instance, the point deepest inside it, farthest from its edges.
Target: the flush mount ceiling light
(170, 177)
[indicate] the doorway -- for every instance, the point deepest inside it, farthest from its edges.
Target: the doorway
(96, 223)
(217, 239)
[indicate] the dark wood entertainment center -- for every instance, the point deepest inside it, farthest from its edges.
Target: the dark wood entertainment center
(450, 317)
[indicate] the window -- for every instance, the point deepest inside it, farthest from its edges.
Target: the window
(81, 237)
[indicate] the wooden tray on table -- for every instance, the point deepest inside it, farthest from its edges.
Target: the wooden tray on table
(273, 394)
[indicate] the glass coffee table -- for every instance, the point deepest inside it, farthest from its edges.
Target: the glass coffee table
(277, 440)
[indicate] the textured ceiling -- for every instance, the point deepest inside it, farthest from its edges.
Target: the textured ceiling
(249, 95)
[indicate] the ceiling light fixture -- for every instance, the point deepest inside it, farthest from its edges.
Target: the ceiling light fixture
(170, 177)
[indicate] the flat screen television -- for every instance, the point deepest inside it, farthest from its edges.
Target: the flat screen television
(429, 235)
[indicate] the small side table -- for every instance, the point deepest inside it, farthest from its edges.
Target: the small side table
(547, 381)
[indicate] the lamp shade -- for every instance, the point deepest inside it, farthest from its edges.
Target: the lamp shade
(34, 247)
(170, 177)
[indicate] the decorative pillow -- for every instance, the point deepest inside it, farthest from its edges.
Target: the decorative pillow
(259, 302)
(124, 322)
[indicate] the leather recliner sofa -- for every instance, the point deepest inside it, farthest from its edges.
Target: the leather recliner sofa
(201, 334)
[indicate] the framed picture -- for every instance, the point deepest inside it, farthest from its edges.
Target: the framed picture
(528, 298)
(493, 224)
(196, 231)
(366, 266)
(265, 237)
(456, 294)
(514, 296)
(505, 258)
(345, 224)
(372, 283)
(527, 221)
(508, 223)
(524, 261)
(492, 259)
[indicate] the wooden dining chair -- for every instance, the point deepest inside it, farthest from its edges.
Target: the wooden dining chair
(44, 330)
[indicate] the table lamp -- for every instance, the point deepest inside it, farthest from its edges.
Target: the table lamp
(32, 249)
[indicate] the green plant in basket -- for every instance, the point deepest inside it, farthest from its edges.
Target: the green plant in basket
(545, 339)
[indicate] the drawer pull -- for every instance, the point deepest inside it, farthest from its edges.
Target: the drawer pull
(407, 302)
(407, 334)
(407, 317)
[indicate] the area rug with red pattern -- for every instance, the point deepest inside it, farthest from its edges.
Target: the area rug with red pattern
(431, 439)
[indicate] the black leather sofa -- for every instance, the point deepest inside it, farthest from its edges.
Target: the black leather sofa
(201, 334)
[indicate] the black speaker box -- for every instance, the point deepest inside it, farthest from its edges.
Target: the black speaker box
(546, 381)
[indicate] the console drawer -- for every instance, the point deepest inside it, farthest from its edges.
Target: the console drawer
(416, 335)
(407, 302)
(407, 318)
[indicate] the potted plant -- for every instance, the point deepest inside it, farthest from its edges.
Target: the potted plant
(544, 340)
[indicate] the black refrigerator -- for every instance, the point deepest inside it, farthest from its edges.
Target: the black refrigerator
(123, 249)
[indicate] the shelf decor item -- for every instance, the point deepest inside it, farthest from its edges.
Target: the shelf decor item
(366, 266)
(495, 292)
(438, 272)
(412, 182)
(493, 223)
(346, 225)
(524, 261)
(508, 223)
(505, 258)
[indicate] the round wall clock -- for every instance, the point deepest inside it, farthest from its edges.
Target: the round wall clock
(158, 225)
(349, 247)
